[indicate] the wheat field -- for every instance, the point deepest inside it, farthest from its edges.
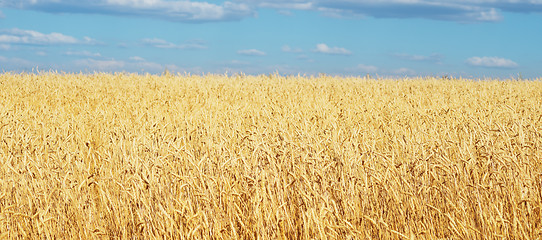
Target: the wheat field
(127, 156)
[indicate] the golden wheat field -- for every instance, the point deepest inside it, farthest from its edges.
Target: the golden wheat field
(127, 156)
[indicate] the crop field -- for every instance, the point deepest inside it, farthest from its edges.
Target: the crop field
(127, 156)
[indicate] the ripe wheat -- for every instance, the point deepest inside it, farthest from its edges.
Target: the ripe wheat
(268, 157)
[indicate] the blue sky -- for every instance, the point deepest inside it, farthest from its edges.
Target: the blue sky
(482, 38)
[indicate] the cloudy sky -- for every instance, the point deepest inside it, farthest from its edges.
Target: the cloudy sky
(482, 38)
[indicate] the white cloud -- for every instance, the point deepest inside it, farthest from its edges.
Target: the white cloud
(251, 52)
(145, 66)
(285, 13)
(447, 10)
(459, 11)
(205, 11)
(179, 11)
(289, 49)
(137, 58)
(82, 54)
(5, 47)
(435, 57)
(403, 71)
(491, 62)
(307, 5)
(370, 69)
(366, 68)
(9, 63)
(251, 69)
(323, 48)
(100, 65)
(304, 57)
(20, 36)
(160, 43)
(137, 64)
(122, 45)
(234, 66)
(90, 41)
